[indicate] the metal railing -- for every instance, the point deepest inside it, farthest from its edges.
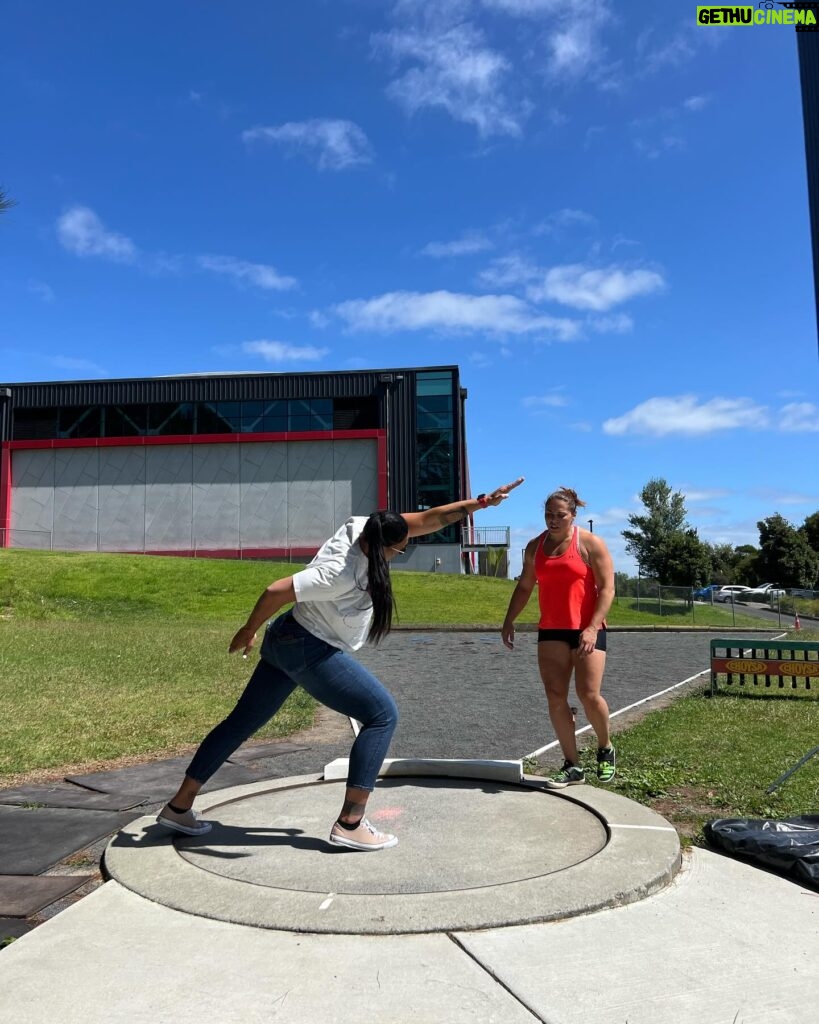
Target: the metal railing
(485, 537)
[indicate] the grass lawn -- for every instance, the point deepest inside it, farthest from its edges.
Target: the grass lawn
(109, 657)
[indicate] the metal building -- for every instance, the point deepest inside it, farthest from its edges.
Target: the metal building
(808, 47)
(262, 465)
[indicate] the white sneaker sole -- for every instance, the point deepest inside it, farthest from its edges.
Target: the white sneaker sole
(351, 844)
(204, 827)
(551, 784)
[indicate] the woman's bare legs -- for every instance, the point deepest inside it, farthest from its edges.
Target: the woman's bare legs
(554, 660)
(588, 679)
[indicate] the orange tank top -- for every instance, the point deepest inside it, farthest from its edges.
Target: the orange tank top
(566, 589)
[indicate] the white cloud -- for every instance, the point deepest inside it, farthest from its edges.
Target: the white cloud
(696, 103)
(335, 145)
(318, 319)
(452, 68)
(41, 290)
(76, 365)
(508, 271)
(580, 287)
(563, 219)
(260, 275)
(81, 232)
(451, 311)
(554, 400)
(617, 323)
(799, 417)
(280, 352)
(685, 415)
(467, 245)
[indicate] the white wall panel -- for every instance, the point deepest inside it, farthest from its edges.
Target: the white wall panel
(169, 498)
(216, 496)
(76, 476)
(311, 508)
(263, 474)
(32, 505)
(122, 499)
(355, 476)
(183, 497)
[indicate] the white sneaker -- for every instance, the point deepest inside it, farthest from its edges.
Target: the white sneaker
(364, 837)
(187, 822)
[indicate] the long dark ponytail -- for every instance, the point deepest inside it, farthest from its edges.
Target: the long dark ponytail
(382, 529)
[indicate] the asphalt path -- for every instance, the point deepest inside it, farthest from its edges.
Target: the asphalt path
(465, 695)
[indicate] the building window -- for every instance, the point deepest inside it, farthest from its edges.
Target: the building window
(34, 424)
(170, 418)
(434, 447)
(125, 420)
(84, 421)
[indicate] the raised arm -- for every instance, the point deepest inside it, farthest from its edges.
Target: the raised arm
(434, 519)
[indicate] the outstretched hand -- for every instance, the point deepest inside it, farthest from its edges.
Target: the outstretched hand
(502, 493)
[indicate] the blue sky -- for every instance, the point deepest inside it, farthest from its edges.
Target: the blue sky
(598, 211)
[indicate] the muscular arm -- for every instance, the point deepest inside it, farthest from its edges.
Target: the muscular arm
(520, 595)
(603, 569)
(272, 600)
(434, 519)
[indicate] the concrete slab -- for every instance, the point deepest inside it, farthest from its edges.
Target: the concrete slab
(117, 957)
(65, 794)
(725, 942)
(472, 854)
(158, 779)
(32, 840)
(24, 895)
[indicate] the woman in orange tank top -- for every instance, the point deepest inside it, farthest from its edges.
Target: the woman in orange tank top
(574, 574)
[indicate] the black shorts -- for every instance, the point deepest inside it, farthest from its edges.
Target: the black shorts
(571, 637)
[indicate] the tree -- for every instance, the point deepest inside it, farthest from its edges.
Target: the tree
(785, 557)
(810, 531)
(5, 202)
(662, 543)
(686, 560)
(665, 516)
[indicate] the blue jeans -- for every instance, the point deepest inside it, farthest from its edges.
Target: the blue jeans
(291, 656)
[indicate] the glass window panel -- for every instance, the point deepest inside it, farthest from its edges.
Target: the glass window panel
(277, 408)
(230, 410)
(275, 424)
(82, 421)
(208, 420)
(125, 420)
(435, 403)
(355, 413)
(251, 409)
(170, 418)
(299, 423)
(433, 384)
(298, 407)
(34, 424)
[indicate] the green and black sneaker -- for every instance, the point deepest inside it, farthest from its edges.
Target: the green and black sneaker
(569, 775)
(606, 760)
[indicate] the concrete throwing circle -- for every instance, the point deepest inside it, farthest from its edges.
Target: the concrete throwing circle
(471, 854)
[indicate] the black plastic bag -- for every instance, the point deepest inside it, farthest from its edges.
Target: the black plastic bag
(790, 847)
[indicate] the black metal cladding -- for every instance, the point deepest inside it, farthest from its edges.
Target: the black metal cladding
(205, 388)
(808, 46)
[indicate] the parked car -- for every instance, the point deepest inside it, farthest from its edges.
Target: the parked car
(809, 594)
(764, 592)
(704, 593)
(731, 593)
